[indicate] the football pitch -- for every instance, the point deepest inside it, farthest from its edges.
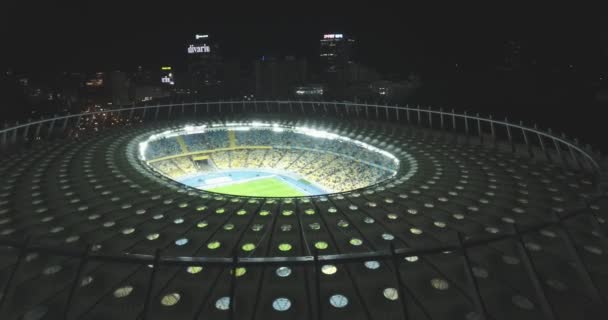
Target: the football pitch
(265, 187)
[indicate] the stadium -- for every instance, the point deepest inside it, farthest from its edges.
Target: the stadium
(266, 159)
(298, 210)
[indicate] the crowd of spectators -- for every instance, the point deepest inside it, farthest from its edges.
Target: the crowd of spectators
(334, 164)
(162, 147)
(177, 167)
(217, 139)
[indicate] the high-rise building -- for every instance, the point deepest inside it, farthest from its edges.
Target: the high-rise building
(355, 72)
(512, 55)
(146, 85)
(204, 61)
(167, 79)
(96, 89)
(308, 91)
(336, 51)
(118, 87)
(276, 78)
(145, 76)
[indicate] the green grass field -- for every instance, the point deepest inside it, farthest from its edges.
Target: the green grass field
(266, 187)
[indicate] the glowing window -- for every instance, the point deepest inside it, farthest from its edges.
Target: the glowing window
(329, 269)
(51, 270)
(213, 245)
(283, 272)
(170, 299)
(388, 236)
(194, 269)
(439, 224)
(411, 258)
(338, 301)
(284, 247)
(86, 281)
(239, 271)
(415, 231)
(492, 230)
(321, 245)
(248, 247)
(181, 242)
(123, 291)
(355, 242)
(391, 294)
(72, 239)
(439, 284)
(281, 304)
(152, 236)
(223, 303)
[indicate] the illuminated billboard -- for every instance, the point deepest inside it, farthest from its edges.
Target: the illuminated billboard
(166, 76)
(333, 36)
(192, 49)
(201, 36)
(168, 79)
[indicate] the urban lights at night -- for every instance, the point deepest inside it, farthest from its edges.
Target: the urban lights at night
(260, 164)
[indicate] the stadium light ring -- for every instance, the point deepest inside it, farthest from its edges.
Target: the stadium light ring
(178, 131)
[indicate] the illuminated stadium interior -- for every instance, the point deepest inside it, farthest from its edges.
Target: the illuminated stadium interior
(265, 159)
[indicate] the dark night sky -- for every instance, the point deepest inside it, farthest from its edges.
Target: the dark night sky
(97, 37)
(40, 37)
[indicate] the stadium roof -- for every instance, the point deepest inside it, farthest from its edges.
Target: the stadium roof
(477, 231)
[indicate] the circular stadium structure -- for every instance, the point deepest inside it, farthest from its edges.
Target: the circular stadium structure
(299, 210)
(266, 159)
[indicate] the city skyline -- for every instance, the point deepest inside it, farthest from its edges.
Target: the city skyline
(530, 64)
(106, 38)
